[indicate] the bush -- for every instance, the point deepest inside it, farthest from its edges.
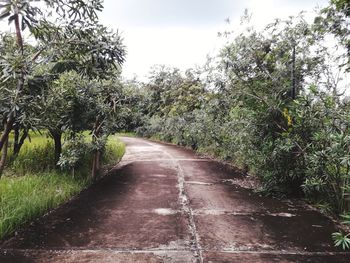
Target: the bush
(76, 154)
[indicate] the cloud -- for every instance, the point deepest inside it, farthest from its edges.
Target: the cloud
(179, 47)
(181, 33)
(165, 13)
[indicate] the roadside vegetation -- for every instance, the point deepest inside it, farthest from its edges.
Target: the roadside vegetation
(24, 198)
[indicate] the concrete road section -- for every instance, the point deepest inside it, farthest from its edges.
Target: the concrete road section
(163, 203)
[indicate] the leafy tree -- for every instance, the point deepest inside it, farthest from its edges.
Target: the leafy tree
(334, 19)
(25, 14)
(79, 44)
(64, 107)
(106, 98)
(170, 93)
(162, 80)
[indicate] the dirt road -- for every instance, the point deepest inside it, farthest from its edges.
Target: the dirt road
(165, 204)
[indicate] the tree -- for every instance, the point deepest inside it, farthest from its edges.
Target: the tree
(162, 81)
(334, 19)
(79, 44)
(25, 14)
(99, 56)
(106, 98)
(64, 107)
(12, 99)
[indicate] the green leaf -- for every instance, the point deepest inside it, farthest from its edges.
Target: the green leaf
(5, 14)
(342, 240)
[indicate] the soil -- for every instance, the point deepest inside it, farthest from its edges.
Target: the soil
(163, 203)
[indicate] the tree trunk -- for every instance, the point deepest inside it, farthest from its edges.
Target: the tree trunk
(294, 90)
(7, 129)
(57, 138)
(16, 138)
(94, 166)
(96, 156)
(18, 145)
(20, 82)
(3, 156)
(18, 28)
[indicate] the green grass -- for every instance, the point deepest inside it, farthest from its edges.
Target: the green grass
(26, 197)
(114, 151)
(31, 187)
(36, 155)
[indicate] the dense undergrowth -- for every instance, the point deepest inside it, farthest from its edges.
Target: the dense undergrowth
(308, 156)
(32, 185)
(297, 148)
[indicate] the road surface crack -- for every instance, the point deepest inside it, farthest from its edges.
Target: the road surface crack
(186, 208)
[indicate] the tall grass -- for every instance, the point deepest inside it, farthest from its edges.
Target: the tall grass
(31, 186)
(36, 155)
(24, 198)
(114, 151)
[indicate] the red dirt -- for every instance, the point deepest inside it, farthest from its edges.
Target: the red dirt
(163, 203)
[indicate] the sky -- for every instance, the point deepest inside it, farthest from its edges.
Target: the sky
(181, 33)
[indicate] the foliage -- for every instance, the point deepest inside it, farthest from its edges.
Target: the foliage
(74, 151)
(341, 239)
(335, 20)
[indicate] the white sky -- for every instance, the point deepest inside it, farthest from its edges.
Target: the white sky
(181, 33)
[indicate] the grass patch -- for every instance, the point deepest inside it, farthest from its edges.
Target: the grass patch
(114, 151)
(26, 197)
(36, 155)
(31, 187)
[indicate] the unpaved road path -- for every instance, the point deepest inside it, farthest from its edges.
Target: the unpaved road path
(165, 204)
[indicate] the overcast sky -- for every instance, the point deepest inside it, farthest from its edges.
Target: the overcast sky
(181, 33)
